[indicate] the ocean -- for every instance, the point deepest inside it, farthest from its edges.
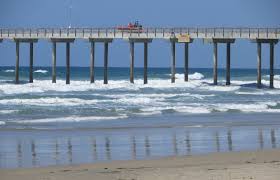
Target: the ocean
(45, 124)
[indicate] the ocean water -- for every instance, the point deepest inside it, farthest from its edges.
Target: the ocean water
(48, 124)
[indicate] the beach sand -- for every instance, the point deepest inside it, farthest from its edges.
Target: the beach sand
(262, 165)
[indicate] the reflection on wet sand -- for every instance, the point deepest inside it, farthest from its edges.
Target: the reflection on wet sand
(133, 147)
(147, 146)
(101, 147)
(69, 152)
(33, 152)
(273, 139)
(217, 140)
(261, 138)
(19, 153)
(188, 143)
(94, 147)
(174, 142)
(108, 149)
(229, 135)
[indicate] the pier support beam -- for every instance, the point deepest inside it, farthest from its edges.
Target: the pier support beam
(228, 65)
(215, 58)
(132, 42)
(259, 78)
(17, 63)
(131, 62)
(92, 48)
(31, 64)
(186, 69)
(67, 42)
(145, 62)
(53, 62)
(67, 63)
(105, 63)
(259, 42)
(173, 61)
(271, 84)
(215, 42)
(31, 41)
(106, 42)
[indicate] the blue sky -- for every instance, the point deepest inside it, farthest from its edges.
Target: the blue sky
(109, 13)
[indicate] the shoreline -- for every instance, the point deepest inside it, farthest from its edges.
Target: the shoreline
(263, 164)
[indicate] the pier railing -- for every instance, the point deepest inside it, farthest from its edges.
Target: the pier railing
(45, 33)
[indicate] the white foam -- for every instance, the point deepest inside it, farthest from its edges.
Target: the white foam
(194, 76)
(41, 71)
(48, 101)
(250, 93)
(9, 70)
(8, 111)
(182, 109)
(71, 119)
(2, 123)
(254, 107)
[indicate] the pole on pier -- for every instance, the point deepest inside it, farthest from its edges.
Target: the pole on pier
(145, 62)
(228, 65)
(131, 62)
(259, 78)
(92, 62)
(53, 62)
(105, 62)
(186, 61)
(31, 63)
(271, 65)
(173, 59)
(17, 63)
(215, 55)
(67, 62)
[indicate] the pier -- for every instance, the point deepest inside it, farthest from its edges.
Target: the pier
(185, 36)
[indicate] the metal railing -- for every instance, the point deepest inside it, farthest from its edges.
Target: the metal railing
(46, 33)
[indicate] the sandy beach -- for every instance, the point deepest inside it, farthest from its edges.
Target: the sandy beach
(263, 165)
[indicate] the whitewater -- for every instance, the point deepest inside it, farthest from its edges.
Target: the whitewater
(42, 102)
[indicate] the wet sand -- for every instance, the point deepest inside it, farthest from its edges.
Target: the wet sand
(263, 165)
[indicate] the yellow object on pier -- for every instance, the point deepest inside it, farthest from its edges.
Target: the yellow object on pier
(184, 38)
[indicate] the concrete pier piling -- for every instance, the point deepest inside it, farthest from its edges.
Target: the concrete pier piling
(31, 63)
(259, 61)
(92, 54)
(131, 62)
(228, 43)
(105, 63)
(186, 69)
(173, 61)
(145, 63)
(105, 42)
(132, 42)
(67, 62)
(215, 58)
(53, 62)
(228, 65)
(31, 43)
(271, 84)
(17, 63)
(259, 42)
(67, 42)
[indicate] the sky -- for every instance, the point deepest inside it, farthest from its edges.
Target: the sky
(150, 13)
